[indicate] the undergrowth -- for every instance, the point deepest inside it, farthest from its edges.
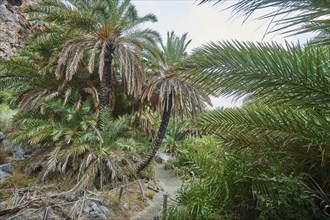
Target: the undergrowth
(238, 184)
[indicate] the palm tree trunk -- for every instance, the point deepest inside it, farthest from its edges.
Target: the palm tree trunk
(105, 83)
(159, 138)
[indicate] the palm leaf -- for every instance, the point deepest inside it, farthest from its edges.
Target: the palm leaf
(290, 129)
(269, 72)
(290, 16)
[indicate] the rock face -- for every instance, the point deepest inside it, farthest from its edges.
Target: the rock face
(14, 29)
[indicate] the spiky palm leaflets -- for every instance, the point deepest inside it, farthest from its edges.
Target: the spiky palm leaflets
(286, 115)
(74, 143)
(291, 85)
(292, 17)
(171, 92)
(291, 81)
(287, 106)
(275, 74)
(29, 76)
(177, 131)
(102, 34)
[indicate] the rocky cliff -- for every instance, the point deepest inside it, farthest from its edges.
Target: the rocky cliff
(14, 29)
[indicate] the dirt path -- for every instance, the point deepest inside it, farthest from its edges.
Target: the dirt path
(169, 183)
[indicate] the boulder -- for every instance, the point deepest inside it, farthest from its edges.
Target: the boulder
(16, 151)
(7, 167)
(4, 175)
(105, 210)
(96, 210)
(162, 157)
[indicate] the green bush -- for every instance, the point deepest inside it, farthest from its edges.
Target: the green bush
(90, 150)
(6, 116)
(240, 184)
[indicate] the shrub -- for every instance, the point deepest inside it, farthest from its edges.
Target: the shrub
(90, 150)
(6, 116)
(238, 184)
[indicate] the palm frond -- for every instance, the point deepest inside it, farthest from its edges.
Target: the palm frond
(290, 16)
(269, 72)
(285, 128)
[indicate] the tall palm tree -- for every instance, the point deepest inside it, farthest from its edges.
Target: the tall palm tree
(103, 32)
(172, 92)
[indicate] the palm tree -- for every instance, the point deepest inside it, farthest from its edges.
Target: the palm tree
(76, 142)
(172, 92)
(29, 76)
(106, 32)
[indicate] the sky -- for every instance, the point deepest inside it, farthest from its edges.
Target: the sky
(205, 23)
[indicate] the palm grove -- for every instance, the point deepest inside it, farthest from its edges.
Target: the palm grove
(91, 87)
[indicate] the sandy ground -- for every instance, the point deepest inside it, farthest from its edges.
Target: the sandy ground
(169, 183)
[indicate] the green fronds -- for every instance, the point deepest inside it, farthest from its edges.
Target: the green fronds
(58, 124)
(146, 120)
(90, 27)
(80, 146)
(175, 49)
(187, 97)
(275, 74)
(27, 77)
(304, 132)
(293, 17)
(165, 63)
(177, 131)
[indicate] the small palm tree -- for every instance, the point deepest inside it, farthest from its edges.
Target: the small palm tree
(76, 143)
(29, 76)
(102, 32)
(177, 131)
(172, 92)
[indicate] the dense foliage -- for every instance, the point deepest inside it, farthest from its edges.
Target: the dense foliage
(89, 112)
(274, 158)
(228, 184)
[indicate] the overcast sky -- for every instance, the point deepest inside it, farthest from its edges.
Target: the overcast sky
(205, 23)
